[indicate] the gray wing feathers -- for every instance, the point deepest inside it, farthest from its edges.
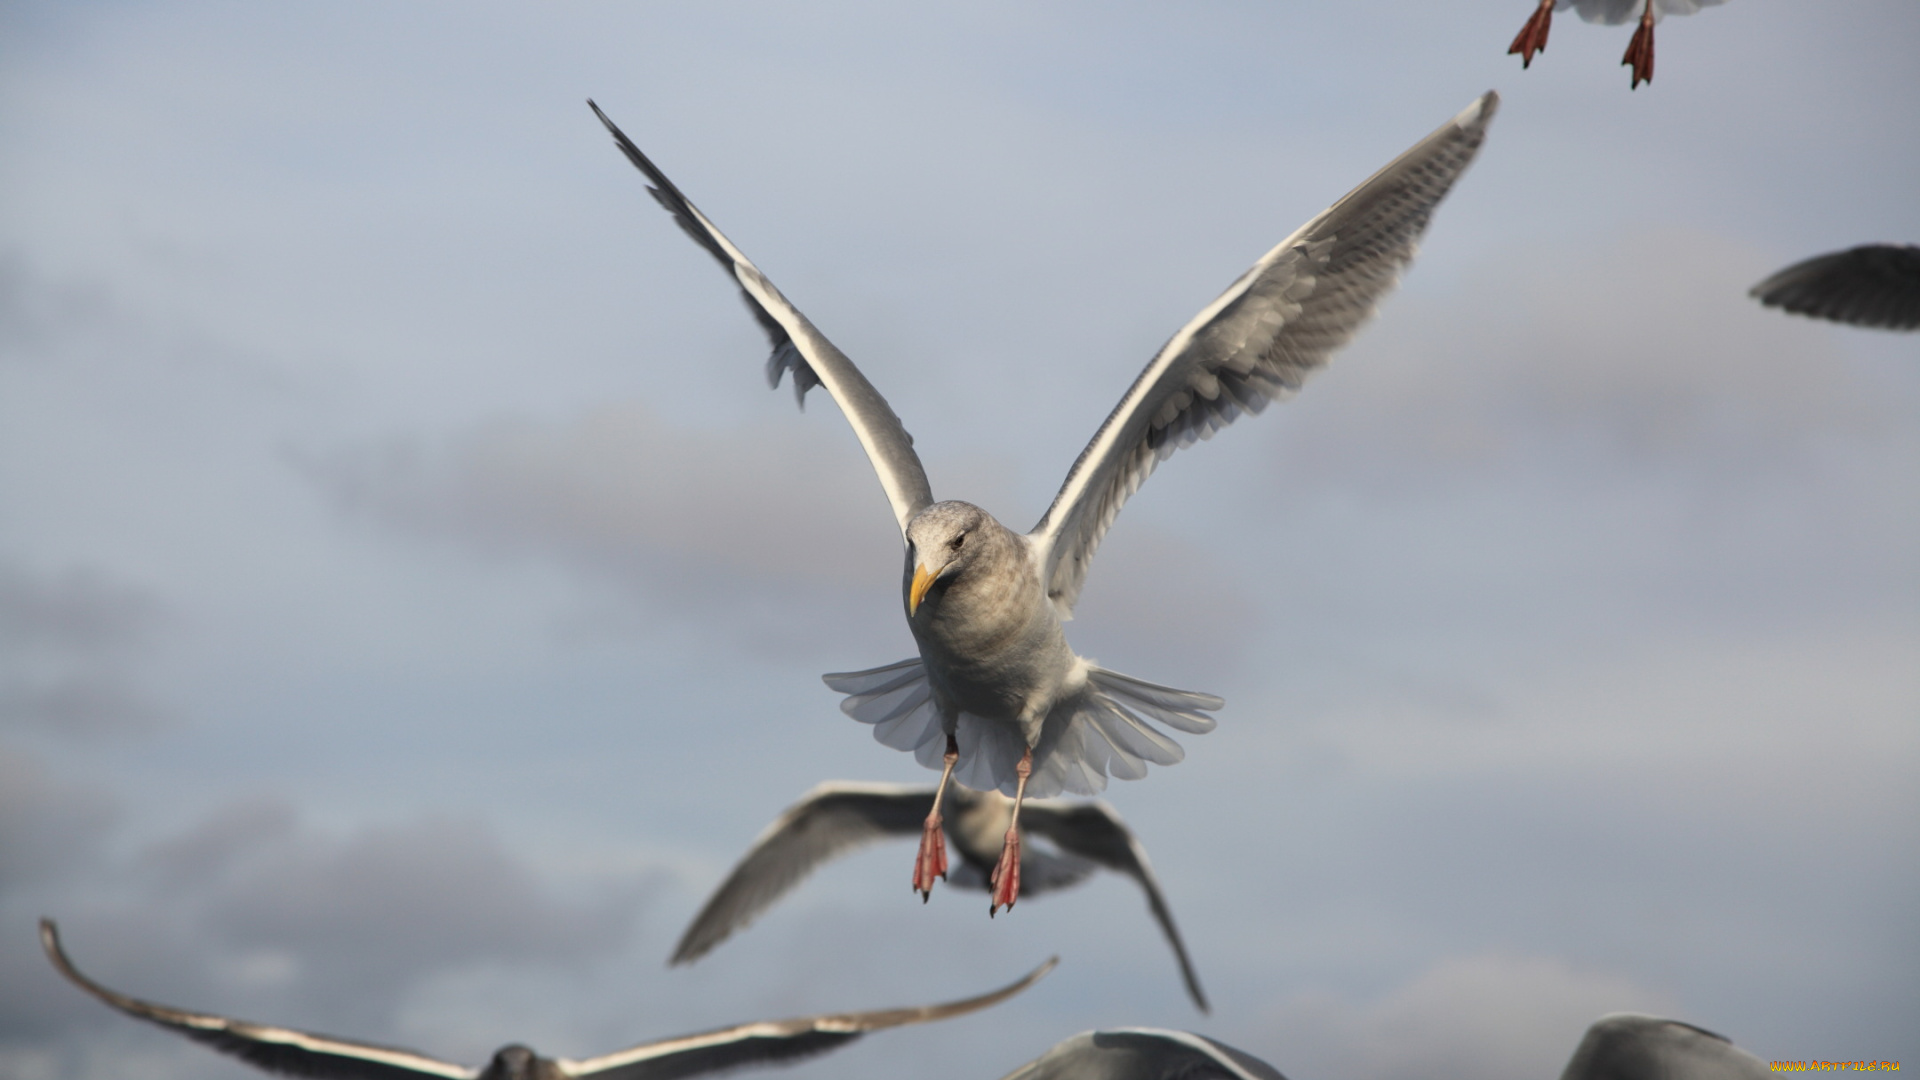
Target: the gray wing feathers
(799, 347)
(275, 1049)
(1874, 285)
(1258, 341)
(829, 821)
(1094, 831)
(1144, 1054)
(774, 1040)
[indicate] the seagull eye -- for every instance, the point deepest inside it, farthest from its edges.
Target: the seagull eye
(957, 541)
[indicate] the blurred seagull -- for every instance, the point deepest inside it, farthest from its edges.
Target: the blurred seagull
(1144, 1054)
(996, 698)
(298, 1053)
(1533, 36)
(1621, 1046)
(1632, 1046)
(838, 817)
(1874, 285)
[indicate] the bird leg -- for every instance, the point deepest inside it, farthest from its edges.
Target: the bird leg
(932, 861)
(1640, 50)
(1006, 876)
(1533, 36)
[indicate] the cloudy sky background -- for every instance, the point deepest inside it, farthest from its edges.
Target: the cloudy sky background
(412, 600)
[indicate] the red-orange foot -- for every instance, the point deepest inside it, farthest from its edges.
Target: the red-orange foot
(1006, 876)
(1533, 36)
(1640, 51)
(931, 863)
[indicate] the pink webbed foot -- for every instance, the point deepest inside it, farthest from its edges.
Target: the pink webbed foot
(1640, 50)
(931, 863)
(1006, 876)
(1533, 36)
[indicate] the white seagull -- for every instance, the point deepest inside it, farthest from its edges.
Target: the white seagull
(300, 1053)
(1875, 285)
(839, 817)
(1533, 36)
(996, 698)
(1619, 1046)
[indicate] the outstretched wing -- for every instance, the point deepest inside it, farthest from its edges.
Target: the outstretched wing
(771, 1041)
(1143, 1054)
(275, 1049)
(798, 347)
(1258, 341)
(827, 822)
(1871, 285)
(1094, 832)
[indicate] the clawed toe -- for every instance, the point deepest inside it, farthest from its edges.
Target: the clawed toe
(931, 863)
(1532, 37)
(1006, 876)
(1640, 55)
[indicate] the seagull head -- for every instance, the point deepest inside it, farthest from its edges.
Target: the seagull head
(516, 1062)
(941, 541)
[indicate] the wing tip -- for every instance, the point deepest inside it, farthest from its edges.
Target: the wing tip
(591, 104)
(57, 953)
(1481, 111)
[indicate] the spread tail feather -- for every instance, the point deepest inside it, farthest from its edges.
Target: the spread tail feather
(1181, 710)
(898, 702)
(1101, 731)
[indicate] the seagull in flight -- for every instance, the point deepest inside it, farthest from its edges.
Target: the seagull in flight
(1533, 36)
(997, 699)
(839, 817)
(299, 1053)
(1875, 285)
(1619, 1046)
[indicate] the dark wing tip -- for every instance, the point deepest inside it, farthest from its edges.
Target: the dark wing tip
(1873, 285)
(57, 956)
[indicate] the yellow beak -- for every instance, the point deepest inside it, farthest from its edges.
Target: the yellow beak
(922, 581)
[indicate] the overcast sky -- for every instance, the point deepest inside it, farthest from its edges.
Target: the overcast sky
(412, 599)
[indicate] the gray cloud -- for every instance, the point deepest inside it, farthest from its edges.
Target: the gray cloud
(252, 911)
(72, 646)
(1644, 356)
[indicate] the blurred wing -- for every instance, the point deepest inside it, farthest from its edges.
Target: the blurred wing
(1629, 1046)
(1258, 341)
(798, 346)
(1873, 285)
(1094, 831)
(279, 1050)
(1144, 1054)
(829, 821)
(771, 1041)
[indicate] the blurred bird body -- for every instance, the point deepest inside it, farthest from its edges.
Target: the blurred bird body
(839, 817)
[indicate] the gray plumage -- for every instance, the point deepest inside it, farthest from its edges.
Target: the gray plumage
(1615, 12)
(995, 671)
(299, 1053)
(839, 817)
(1874, 285)
(1144, 1054)
(1632, 1046)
